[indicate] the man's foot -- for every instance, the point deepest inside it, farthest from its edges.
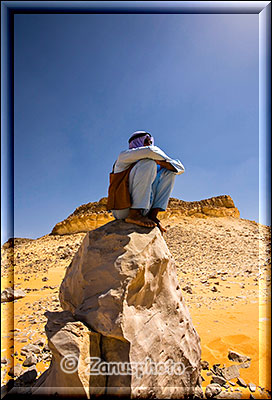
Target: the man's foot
(153, 216)
(159, 225)
(135, 217)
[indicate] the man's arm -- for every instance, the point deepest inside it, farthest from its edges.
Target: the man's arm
(167, 165)
(139, 153)
(130, 156)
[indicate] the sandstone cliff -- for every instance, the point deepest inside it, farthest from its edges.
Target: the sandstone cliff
(92, 215)
(123, 304)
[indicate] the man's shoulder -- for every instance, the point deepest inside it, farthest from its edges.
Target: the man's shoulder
(141, 149)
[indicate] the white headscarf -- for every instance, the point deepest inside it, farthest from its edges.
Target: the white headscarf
(137, 139)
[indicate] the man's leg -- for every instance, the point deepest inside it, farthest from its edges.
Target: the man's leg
(141, 178)
(120, 214)
(161, 190)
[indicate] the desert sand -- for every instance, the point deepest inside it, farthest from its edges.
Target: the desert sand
(223, 268)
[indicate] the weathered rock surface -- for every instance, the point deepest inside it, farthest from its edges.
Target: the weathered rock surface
(72, 345)
(92, 215)
(230, 372)
(122, 284)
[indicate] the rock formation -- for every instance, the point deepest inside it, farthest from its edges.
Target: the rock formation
(71, 344)
(123, 304)
(85, 218)
(92, 215)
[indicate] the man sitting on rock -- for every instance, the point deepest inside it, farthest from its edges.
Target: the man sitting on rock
(148, 175)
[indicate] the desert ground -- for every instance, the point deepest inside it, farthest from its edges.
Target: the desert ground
(223, 266)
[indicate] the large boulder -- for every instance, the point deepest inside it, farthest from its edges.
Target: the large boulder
(122, 284)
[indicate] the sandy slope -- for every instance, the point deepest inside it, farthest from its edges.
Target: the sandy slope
(223, 266)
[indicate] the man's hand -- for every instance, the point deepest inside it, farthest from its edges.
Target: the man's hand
(167, 165)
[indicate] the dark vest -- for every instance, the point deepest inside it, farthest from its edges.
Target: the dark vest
(118, 193)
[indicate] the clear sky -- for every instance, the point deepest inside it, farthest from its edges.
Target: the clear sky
(85, 83)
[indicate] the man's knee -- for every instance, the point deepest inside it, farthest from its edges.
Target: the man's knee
(144, 172)
(147, 163)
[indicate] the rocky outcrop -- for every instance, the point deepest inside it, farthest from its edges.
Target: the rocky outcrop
(85, 218)
(220, 206)
(122, 286)
(93, 215)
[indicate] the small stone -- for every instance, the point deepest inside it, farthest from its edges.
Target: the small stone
(39, 342)
(214, 289)
(252, 387)
(212, 390)
(245, 364)
(187, 289)
(46, 357)
(46, 348)
(30, 348)
(204, 364)
(4, 360)
(199, 392)
(11, 294)
(226, 386)
(44, 279)
(22, 340)
(234, 356)
(16, 371)
(30, 360)
(218, 379)
(241, 382)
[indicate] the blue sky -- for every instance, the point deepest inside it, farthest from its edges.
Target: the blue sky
(84, 83)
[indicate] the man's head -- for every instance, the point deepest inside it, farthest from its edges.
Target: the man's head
(140, 139)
